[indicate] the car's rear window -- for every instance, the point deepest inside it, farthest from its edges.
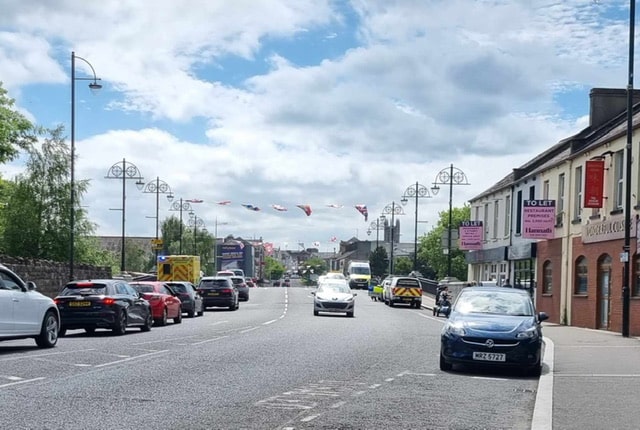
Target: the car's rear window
(179, 288)
(143, 288)
(408, 283)
(237, 281)
(84, 288)
(214, 283)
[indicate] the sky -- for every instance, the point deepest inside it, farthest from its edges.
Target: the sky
(305, 102)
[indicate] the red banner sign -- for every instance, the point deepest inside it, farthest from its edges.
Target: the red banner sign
(593, 183)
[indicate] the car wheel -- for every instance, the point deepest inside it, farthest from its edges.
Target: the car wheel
(62, 332)
(147, 322)
(350, 314)
(90, 330)
(120, 327)
(444, 365)
(201, 312)
(178, 319)
(162, 321)
(535, 370)
(48, 336)
(316, 313)
(391, 303)
(192, 312)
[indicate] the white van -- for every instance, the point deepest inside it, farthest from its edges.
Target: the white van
(359, 274)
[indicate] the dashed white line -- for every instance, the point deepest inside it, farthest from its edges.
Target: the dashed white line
(338, 404)
(389, 379)
(13, 378)
(164, 340)
(375, 386)
(24, 381)
(249, 329)
(359, 393)
(131, 358)
(269, 322)
(209, 340)
(309, 418)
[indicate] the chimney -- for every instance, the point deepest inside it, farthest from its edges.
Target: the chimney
(606, 103)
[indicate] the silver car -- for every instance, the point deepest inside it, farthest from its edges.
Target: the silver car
(335, 296)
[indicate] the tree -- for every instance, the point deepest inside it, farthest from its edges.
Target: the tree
(403, 265)
(431, 247)
(273, 269)
(16, 131)
(379, 261)
(314, 265)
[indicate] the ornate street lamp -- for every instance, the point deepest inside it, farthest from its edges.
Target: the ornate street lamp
(449, 176)
(93, 86)
(394, 209)
(377, 227)
(195, 222)
(124, 170)
(183, 206)
(417, 191)
(158, 187)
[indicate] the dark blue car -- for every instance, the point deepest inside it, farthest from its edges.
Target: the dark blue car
(493, 326)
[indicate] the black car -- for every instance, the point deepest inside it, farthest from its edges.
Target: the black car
(102, 303)
(218, 291)
(191, 300)
(241, 285)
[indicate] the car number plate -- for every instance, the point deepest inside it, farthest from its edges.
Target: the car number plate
(79, 304)
(489, 356)
(214, 294)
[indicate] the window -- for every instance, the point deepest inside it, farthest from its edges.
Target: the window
(619, 179)
(507, 216)
(519, 213)
(581, 276)
(486, 219)
(496, 216)
(545, 190)
(547, 281)
(635, 288)
(577, 203)
(532, 193)
(561, 193)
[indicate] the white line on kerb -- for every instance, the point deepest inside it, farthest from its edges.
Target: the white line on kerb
(269, 322)
(24, 381)
(543, 409)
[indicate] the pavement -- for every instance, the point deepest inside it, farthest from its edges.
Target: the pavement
(590, 379)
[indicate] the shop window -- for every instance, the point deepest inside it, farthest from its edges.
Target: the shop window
(635, 288)
(581, 278)
(547, 270)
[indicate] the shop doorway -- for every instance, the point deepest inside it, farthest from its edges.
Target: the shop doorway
(604, 292)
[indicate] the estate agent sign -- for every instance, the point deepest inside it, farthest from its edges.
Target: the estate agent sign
(539, 219)
(471, 234)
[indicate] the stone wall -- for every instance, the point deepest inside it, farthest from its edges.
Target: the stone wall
(51, 276)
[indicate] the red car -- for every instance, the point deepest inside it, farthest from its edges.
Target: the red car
(164, 302)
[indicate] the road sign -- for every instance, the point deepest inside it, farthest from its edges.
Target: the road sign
(156, 243)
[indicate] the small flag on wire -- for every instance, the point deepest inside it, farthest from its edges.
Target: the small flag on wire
(363, 210)
(251, 207)
(224, 202)
(334, 206)
(333, 239)
(316, 244)
(305, 208)
(279, 208)
(194, 200)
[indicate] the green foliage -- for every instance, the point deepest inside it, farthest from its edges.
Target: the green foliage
(379, 262)
(314, 265)
(402, 266)
(430, 249)
(16, 131)
(273, 269)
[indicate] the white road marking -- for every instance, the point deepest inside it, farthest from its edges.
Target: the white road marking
(249, 329)
(209, 340)
(46, 355)
(81, 365)
(543, 409)
(309, 418)
(375, 386)
(131, 358)
(359, 393)
(488, 378)
(597, 375)
(389, 379)
(164, 340)
(338, 404)
(219, 322)
(13, 378)
(24, 381)
(269, 322)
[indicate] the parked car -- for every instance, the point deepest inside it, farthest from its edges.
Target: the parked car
(165, 303)
(225, 273)
(191, 301)
(218, 291)
(250, 282)
(242, 287)
(334, 295)
(26, 313)
(102, 303)
(493, 326)
(402, 289)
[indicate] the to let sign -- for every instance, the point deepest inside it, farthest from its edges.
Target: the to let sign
(593, 183)
(538, 219)
(471, 235)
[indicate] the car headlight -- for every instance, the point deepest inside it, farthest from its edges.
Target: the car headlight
(530, 333)
(454, 329)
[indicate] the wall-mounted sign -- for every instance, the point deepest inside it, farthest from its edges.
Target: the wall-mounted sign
(471, 235)
(593, 183)
(538, 219)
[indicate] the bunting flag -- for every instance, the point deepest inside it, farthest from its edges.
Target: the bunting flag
(279, 208)
(305, 208)
(316, 244)
(333, 239)
(194, 201)
(334, 206)
(252, 207)
(224, 202)
(363, 210)
(268, 248)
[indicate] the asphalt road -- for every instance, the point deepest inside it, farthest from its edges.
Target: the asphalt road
(269, 365)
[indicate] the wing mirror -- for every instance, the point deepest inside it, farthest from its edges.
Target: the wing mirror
(542, 316)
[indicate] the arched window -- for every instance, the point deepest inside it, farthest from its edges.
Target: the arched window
(581, 278)
(547, 273)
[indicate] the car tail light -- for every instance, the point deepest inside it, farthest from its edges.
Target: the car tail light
(227, 290)
(57, 301)
(108, 301)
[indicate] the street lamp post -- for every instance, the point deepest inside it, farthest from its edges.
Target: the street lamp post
(377, 227)
(417, 191)
(627, 208)
(158, 187)
(182, 206)
(124, 170)
(449, 176)
(394, 209)
(94, 86)
(195, 222)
